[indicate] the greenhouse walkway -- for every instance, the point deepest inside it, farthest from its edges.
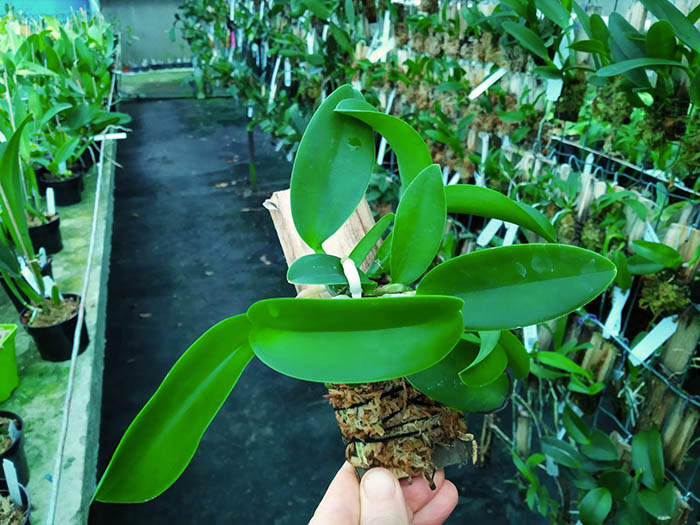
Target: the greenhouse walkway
(191, 246)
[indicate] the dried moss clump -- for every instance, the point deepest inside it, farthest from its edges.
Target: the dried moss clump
(390, 424)
(592, 236)
(569, 103)
(664, 293)
(566, 229)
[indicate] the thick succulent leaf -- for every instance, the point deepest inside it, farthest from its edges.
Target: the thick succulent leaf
(412, 154)
(12, 205)
(354, 340)
(475, 200)
(659, 504)
(528, 39)
(660, 41)
(361, 250)
(320, 268)
(520, 285)
(638, 265)
(518, 358)
(684, 29)
(441, 383)
(601, 447)
(648, 457)
(486, 370)
(659, 253)
(162, 439)
(331, 170)
(595, 506)
(420, 224)
(624, 66)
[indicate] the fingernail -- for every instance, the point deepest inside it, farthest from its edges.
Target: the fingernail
(378, 484)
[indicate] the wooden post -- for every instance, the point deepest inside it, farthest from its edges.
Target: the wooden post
(523, 433)
(340, 243)
(686, 240)
(680, 348)
(634, 226)
(678, 433)
(600, 358)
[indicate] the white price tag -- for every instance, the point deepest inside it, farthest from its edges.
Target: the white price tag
(381, 151)
(250, 112)
(614, 321)
(530, 337)
(324, 33)
(488, 232)
(653, 340)
(485, 138)
(310, 37)
(273, 81)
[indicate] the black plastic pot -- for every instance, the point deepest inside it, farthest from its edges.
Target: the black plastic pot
(55, 342)
(26, 504)
(66, 191)
(16, 451)
(45, 270)
(47, 235)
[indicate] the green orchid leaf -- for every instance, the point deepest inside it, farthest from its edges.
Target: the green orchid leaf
(659, 253)
(635, 63)
(561, 362)
(623, 278)
(617, 481)
(638, 265)
(441, 383)
(318, 8)
(412, 154)
(648, 457)
(475, 200)
(682, 27)
(486, 370)
(162, 439)
(599, 31)
(583, 17)
(659, 504)
(12, 205)
(320, 268)
(518, 358)
(555, 11)
(354, 340)
(380, 264)
(562, 452)
(595, 506)
(576, 427)
(331, 171)
(528, 39)
(589, 46)
(694, 89)
(625, 45)
(420, 224)
(51, 113)
(517, 285)
(601, 447)
(362, 249)
(660, 41)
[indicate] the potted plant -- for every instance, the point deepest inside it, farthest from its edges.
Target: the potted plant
(430, 351)
(49, 316)
(14, 512)
(12, 445)
(8, 361)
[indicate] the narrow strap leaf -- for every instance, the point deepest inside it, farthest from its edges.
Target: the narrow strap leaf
(361, 250)
(320, 268)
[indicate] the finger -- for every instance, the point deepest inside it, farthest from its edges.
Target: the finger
(418, 493)
(438, 509)
(341, 503)
(381, 499)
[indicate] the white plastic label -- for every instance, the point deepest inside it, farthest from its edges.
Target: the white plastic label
(530, 337)
(614, 321)
(445, 175)
(324, 34)
(455, 178)
(12, 482)
(250, 112)
(381, 151)
(485, 137)
(588, 166)
(382, 51)
(29, 277)
(310, 37)
(62, 166)
(554, 87)
(353, 278)
(511, 232)
(287, 72)
(43, 259)
(488, 232)
(650, 234)
(487, 83)
(653, 340)
(273, 81)
(50, 202)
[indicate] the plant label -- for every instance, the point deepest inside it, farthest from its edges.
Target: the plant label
(488, 232)
(511, 232)
(232, 10)
(650, 234)
(379, 54)
(485, 138)
(310, 37)
(381, 151)
(653, 340)
(12, 482)
(353, 278)
(13, 431)
(273, 81)
(324, 33)
(50, 202)
(48, 285)
(614, 321)
(250, 112)
(62, 166)
(551, 467)
(530, 337)
(287, 72)
(554, 88)
(455, 178)
(3, 138)
(29, 277)
(487, 83)
(43, 259)
(445, 174)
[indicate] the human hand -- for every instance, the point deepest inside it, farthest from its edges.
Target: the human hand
(379, 499)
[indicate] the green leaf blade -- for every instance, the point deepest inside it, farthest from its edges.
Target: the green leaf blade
(335, 340)
(595, 506)
(328, 182)
(648, 457)
(164, 436)
(518, 285)
(420, 224)
(364, 246)
(528, 39)
(625, 66)
(320, 268)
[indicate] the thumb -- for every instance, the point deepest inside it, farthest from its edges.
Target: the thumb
(381, 499)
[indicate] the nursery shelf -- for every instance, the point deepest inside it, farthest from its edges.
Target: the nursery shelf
(39, 399)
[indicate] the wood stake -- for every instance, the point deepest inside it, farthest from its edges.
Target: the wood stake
(686, 240)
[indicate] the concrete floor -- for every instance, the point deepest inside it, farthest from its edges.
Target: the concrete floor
(191, 246)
